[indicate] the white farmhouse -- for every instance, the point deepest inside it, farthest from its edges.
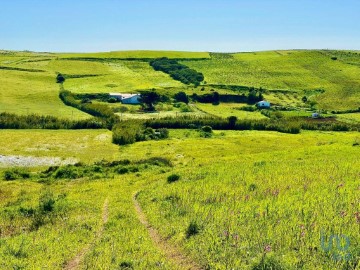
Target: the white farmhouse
(127, 98)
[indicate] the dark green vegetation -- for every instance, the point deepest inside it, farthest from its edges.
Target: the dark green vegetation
(135, 131)
(177, 71)
(97, 170)
(33, 121)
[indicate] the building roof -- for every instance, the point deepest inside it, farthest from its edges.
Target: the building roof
(124, 96)
(263, 102)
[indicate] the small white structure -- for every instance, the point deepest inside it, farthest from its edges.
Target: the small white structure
(127, 98)
(263, 104)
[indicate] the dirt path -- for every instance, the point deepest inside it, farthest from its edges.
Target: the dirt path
(172, 253)
(75, 262)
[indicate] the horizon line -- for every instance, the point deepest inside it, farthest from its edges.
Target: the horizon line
(185, 51)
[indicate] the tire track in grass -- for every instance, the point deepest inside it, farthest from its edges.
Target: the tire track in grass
(75, 262)
(172, 253)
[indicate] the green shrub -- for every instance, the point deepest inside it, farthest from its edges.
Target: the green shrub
(206, 129)
(10, 175)
(126, 265)
(206, 132)
(122, 170)
(185, 108)
(252, 187)
(248, 108)
(163, 133)
(60, 78)
(14, 174)
(112, 100)
(192, 229)
(46, 201)
(67, 172)
(173, 178)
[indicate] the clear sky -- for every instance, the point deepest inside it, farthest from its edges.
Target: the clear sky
(190, 25)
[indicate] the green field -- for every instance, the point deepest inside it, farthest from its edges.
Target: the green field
(198, 198)
(229, 109)
(289, 70)
(24, 88)
(83, 145)
(246, 191)
(29, 92)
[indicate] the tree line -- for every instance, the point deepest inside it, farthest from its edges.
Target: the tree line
(177, 71)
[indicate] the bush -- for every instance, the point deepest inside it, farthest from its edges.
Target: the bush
(67, 172)
(122, 170)
(60, 78)
(128, 133)
(206, 132)
(126, 265)
(163, 133)
(112, 100)
(10, 175)
(46, 201)
(181, 97)
(14, 174)
(192, 229)
(248, 108)
(252, 187)
(206, 129)
(173, 178)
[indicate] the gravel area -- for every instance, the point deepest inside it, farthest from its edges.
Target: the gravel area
(29, 161)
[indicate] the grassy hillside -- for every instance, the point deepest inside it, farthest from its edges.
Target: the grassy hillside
(31, 92)
(255, 200)
(27, 80)
(82, 145)
(137, 54)
(290, 70)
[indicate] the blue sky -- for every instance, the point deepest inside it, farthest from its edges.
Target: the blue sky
(212, 25)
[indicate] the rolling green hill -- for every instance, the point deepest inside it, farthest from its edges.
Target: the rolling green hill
(197, 198)
(296, 71)
(27, 79)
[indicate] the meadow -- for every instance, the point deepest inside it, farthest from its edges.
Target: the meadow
(252, 200)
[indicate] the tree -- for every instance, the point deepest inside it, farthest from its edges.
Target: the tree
(216, 98)
(232, 121)
(149, 98)
(60, 78)
(181, 97)
(304, 99)
(252, 98)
